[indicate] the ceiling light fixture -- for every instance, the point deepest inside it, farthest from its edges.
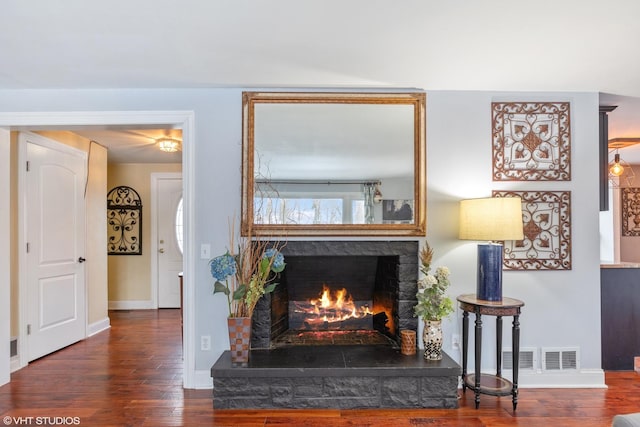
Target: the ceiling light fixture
(169, 145)
(619, 169)
(616, 169)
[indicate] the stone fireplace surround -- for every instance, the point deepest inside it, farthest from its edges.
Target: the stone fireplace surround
(338, 376)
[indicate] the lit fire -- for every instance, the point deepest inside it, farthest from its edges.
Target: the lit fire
(331, 307)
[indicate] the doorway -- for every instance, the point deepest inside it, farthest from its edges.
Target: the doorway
(61, 120)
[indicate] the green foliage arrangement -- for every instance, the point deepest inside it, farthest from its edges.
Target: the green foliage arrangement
(433, 303)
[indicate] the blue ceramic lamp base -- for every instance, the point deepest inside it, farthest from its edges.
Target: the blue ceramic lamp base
(489, 272)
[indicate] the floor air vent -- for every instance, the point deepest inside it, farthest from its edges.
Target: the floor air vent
(528, 359)
(560, 359)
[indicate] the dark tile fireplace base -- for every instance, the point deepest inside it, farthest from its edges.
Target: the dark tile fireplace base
(343, 377)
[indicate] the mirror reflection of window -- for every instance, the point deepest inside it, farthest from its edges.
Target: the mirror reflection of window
(298, 211)
(357, 212)
(309, 203)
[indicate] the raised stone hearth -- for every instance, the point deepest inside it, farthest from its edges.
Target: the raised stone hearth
(343, 377)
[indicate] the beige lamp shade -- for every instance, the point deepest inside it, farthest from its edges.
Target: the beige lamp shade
(492, 218)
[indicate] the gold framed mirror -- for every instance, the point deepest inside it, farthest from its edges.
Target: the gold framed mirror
(333, 164)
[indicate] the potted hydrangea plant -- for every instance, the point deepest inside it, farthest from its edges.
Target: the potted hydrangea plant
(244, 276)
(433, 303)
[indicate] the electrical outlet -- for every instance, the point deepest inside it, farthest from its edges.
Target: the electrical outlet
(455, 342)
(205, 342)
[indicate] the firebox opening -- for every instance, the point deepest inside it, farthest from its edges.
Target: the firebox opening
(333, 309)
(337, 300)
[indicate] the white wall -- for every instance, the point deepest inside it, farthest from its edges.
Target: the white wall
(562, 308)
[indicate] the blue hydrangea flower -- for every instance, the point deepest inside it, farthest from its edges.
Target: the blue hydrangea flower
(223, 266)
(278, 259)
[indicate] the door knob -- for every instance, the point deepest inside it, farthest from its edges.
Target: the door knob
(81, 260)
(161, 250)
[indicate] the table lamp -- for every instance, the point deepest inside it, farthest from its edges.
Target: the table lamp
(492, 219)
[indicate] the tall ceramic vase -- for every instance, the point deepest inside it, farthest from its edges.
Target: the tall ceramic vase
(239, 339)
(432, 338)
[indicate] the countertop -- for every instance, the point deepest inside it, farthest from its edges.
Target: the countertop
(621, 265)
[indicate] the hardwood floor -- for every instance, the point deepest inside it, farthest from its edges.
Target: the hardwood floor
(131, 375)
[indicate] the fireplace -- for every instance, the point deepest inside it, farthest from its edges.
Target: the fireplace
(372, 285)
(338, 366)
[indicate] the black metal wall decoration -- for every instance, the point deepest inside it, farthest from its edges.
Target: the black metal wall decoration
(124, 219)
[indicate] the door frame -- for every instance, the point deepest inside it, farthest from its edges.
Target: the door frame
(5, 258)
(155, 177)
(63, 121)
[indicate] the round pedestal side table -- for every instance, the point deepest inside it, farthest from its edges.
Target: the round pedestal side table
(494, 385)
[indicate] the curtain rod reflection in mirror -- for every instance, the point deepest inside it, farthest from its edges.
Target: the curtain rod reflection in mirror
(318, 181)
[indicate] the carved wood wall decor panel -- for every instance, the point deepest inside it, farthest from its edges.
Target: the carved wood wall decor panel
(531, 141)
(631, 211)
(547, 231)
(124, 219)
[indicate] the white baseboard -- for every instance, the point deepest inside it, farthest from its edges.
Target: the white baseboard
(132, 305)
(583, 378)
(203, 380)
(15, 363)
(99, 326)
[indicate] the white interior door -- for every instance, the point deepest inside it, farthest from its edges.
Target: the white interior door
(55, 237)
(169, 253)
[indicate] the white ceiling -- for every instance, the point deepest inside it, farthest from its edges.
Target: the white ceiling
(498, 45)
(133, 145)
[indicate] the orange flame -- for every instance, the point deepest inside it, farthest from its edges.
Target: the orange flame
(336, 307)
